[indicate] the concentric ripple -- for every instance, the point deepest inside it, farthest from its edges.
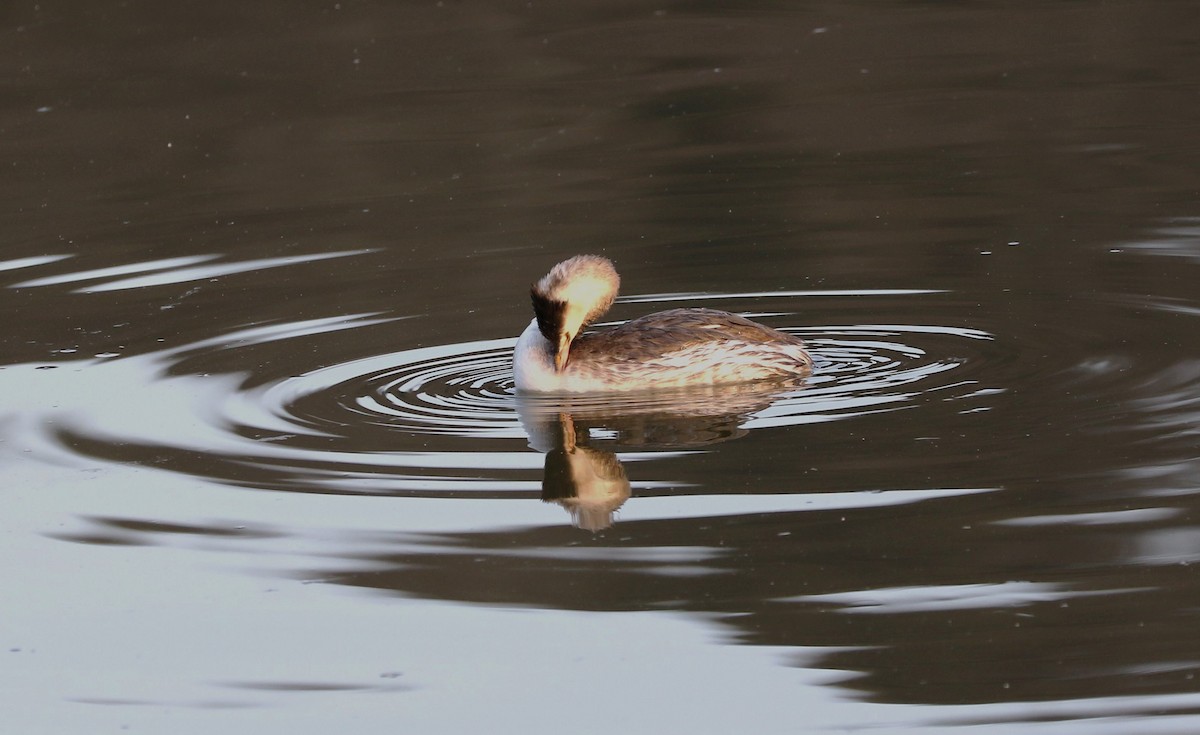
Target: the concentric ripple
(466, 389)
(460, 389)
(443, 420)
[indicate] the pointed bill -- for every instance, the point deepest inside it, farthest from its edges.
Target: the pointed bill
(561, 351)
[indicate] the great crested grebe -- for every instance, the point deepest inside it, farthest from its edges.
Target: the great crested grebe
(678, 347)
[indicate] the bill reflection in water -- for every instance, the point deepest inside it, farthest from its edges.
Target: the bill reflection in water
(590, 483)
(580, 436)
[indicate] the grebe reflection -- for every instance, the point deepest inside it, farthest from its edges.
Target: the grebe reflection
(580, 436)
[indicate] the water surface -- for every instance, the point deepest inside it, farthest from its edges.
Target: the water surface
(267, 472)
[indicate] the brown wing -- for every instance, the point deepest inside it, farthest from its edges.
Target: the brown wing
(655, 335)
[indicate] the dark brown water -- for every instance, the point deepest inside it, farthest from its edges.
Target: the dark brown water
(264, 265)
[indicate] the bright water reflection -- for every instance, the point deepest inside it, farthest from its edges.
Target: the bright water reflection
(395, 423)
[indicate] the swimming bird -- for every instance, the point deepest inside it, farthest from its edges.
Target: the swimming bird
(678, 347)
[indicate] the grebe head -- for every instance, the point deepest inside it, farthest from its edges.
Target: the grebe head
(572, 295)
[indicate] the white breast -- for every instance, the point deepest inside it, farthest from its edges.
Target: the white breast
(533, 368)
(533, 362)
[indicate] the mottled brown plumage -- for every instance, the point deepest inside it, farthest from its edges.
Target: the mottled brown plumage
(660, 334)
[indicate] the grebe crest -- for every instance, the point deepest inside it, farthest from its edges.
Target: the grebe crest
(678, 347)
